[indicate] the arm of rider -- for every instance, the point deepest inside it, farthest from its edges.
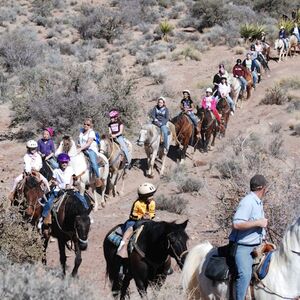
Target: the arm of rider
(49, 156)
(263, 223)
(86, 146)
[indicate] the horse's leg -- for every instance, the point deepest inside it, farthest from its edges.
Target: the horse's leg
(46, 238)
(78, 259)
(125, 285)
(163, 160)
(62, 254)
(152, 161)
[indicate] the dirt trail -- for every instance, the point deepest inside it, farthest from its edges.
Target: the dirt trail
(250, 117)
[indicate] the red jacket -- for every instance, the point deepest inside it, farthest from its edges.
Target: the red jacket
(238, 71)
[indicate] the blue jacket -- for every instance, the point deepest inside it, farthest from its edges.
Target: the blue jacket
(161, 114)
(282, 34)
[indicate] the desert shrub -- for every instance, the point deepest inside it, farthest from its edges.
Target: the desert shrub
(98, 22)
(165, 28)
(176, 10)
(275, 127)
(24, 281)
(174, 204)
(275, 146)
(20, 48)
(275, 8)
(7, 14)
(209, 13)
(290, 83)
(294, 105)
(67, 48)
(275, 95)
(4, 87)
(251, 31)
(86, 52)
(19, 241)
(191, 53)
(158, 78)
(143, 58)
(190, 185)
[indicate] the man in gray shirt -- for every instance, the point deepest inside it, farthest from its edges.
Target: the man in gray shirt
(248, 232)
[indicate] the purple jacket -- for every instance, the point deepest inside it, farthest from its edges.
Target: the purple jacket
(46, 146)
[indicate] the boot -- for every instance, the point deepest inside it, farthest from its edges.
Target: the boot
(99, 182)
(122, 250)
(48, 220)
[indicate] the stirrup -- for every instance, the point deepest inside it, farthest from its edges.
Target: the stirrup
(40, 223)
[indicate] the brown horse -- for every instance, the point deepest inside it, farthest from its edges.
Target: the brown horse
(186, 134)
(27, 195)
(266, 50)
(249, 78)
(224, 109)
(209, 127)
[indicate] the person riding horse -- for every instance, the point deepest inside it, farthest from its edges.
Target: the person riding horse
(187, 107)
(217, 78)
(87, 144)
(295, 31)
(32, 163)
(283, 36)
(239, 72)
(160, 117)
(46, 147)
(62, 180)
(254, 56)
(116, 130)
(251, 66)
(142, 209)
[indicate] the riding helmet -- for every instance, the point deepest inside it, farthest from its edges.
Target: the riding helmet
(186, 91)
(209, 90)
(162, 98)
(146, 189)
(50, 130)
(63, 158)
(31, 144)
(113, 113)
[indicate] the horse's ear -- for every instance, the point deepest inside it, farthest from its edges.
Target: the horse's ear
(184, 224)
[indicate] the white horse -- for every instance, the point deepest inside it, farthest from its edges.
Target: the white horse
(279, 46)
(150, 138)
(236, 88)
(281, 282)
(82, 170)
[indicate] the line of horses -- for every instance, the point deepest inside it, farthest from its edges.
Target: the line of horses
(285, 50)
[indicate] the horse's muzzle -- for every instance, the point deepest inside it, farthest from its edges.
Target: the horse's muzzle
(83, 246)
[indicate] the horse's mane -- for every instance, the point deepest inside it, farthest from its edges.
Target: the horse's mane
(74, 206)
(32, 182)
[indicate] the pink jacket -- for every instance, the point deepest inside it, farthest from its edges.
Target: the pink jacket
(209, 102)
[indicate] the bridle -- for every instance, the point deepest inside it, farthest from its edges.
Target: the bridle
(177, 257)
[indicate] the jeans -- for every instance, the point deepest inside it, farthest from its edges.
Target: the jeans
(48, 204)
(81, 199)
(255, 78)
(257, 66)
(193, 118)
(164, 129)
(243, 261)
(127, 224)
(53, 163)
(94, 164)
(123, 146)
(243, 83)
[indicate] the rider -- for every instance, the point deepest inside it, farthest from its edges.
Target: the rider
(282, 36)
(32, 162)
(296, 32)
(46, 147)
(160, 117)
(187, 107)
(250, 65)
(224, 90)
(239, 72)
(217, 78)
(209, 102)
(254, 56)
(116, 130)
(62, 179)
(142, 209)
(248, 232)
(87, 143)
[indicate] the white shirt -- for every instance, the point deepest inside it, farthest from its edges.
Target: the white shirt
(224, 89)
(83, 138)
(296, 30)
(63, 177)
(32, 162)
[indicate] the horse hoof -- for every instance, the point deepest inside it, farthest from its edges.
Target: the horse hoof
(103, 204)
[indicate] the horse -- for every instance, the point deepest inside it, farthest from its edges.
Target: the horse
(224, 109)
(236, 89)
(150, 137)
(70, 223)
(27, 197)
(266, 50)
(149, 260)
(293, 44)
(116, 158)
(209, 127)
(46, 170)
(83, 175)
(280, 47)
(281, 281)
(186, 134)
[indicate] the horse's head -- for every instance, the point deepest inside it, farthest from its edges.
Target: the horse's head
(82, 228)
(142, 136)
(67, 144)
(177, 240)
(103, 146)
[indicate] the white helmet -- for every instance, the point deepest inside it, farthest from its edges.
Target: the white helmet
(209, 90)
(162, 98)
(186, 91)
(31, 144)
(146, 189)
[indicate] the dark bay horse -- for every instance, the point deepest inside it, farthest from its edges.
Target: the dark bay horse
(224, 109)
(149, 261)
(186, 134)
(46, 170)
(27, 196)
(209, 127)
(70, 223)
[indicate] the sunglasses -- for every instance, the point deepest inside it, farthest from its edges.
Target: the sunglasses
(87, 124)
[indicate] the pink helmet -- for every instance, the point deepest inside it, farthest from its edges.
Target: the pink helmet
(50, 130)
(113, 113)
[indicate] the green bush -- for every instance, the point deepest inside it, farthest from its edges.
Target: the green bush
(251, 31)
(165, 28)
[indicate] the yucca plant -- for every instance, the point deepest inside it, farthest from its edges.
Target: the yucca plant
(287, 24)
(165, 28)
(251, 31)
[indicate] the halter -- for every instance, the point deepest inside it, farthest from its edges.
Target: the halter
(177, 258)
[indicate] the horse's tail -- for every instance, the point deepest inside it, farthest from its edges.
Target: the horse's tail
(173, 133)
(190, 271)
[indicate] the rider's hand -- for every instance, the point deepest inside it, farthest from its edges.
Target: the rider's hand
(263, 223)
(146, 216)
